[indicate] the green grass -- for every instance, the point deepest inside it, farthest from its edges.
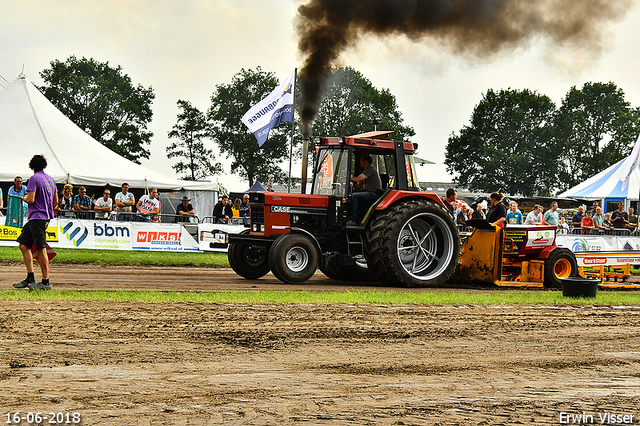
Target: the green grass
(121, 257)
(381, 298)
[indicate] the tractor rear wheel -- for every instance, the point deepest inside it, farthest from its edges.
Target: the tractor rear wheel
(414, 243)
(293, 258)
(561, 263)
(248, 261)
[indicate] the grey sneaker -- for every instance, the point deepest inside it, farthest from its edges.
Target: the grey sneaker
(23, 284)
(39, 286)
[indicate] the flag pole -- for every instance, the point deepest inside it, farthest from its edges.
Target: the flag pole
(293, 113)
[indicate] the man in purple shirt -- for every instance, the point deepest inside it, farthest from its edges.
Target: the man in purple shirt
(42, 198)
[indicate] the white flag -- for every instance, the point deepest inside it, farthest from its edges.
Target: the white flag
(629, 165)
(271, 111)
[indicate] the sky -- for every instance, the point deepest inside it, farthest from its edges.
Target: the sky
(184, 48)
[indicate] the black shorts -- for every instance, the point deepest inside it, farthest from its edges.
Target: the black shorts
(34, 232)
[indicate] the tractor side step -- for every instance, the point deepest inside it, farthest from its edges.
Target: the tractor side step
(355, 245)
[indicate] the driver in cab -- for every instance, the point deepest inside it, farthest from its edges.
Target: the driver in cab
(367, 184)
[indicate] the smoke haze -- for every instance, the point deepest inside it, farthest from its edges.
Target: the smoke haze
(472, 27)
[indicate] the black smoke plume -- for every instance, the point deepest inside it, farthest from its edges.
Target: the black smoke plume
(477, 27)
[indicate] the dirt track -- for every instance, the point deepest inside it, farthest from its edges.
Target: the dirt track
(139, 364)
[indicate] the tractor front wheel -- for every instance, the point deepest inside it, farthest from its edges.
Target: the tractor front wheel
(293, 258)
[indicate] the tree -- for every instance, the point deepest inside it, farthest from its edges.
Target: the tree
(229, 103)
(596, 127)
(103, 102)
(196, 161)
(507, 146)
(352, 105)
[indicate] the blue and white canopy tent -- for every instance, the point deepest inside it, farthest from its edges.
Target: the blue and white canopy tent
(618, 182)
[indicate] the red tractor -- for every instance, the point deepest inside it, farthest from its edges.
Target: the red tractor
(405, 238)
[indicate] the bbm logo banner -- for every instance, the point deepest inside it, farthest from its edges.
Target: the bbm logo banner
(75, 232)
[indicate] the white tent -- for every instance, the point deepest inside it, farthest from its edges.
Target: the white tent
(30, 124)
(619, 182)
(606, 185)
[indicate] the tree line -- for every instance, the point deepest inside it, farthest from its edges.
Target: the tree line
(517, 141)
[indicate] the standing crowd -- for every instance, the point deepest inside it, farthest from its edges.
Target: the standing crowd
(122, 207)
(229, 212)
(591, 222)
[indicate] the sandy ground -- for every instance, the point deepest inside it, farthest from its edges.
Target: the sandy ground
(204, 364)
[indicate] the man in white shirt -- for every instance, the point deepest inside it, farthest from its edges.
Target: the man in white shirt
(125, 201)
(535, 216)
(104, 205)
(148, 205)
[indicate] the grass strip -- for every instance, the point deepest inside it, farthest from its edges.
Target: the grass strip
(369, 297)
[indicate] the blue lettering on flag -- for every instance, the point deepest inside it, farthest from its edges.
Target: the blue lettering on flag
(284, 114)
(274, 109)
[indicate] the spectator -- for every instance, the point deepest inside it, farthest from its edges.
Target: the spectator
(594, 206)
(607, 222)
(619, 218)
(598, 220)
(104, 205)
(551, 215)
(185, 210)
(269, 188)
(478, 213)
(18, 190)
(236, 209)
(66, 199)
(451, 197)
(125, 201)
(633, 220)
(497, 214)
(222, 210)
(245, 209)
(576, 222)
(155, 218)
(42, 198)
(461, 219)
(587, 223)
(535, 216)
(563, 226)
(1, 205)
(514, 216)
(82, 204)
(456, 209)
(148, 205)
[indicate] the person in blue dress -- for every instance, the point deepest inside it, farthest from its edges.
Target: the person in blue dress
(17, 190)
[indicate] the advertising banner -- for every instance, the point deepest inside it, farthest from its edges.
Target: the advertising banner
(215, 237)
(579, 243)
(601, 258)
(10, 233)
(111, 235)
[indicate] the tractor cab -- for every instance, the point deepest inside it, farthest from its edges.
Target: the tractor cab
(338, 159)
